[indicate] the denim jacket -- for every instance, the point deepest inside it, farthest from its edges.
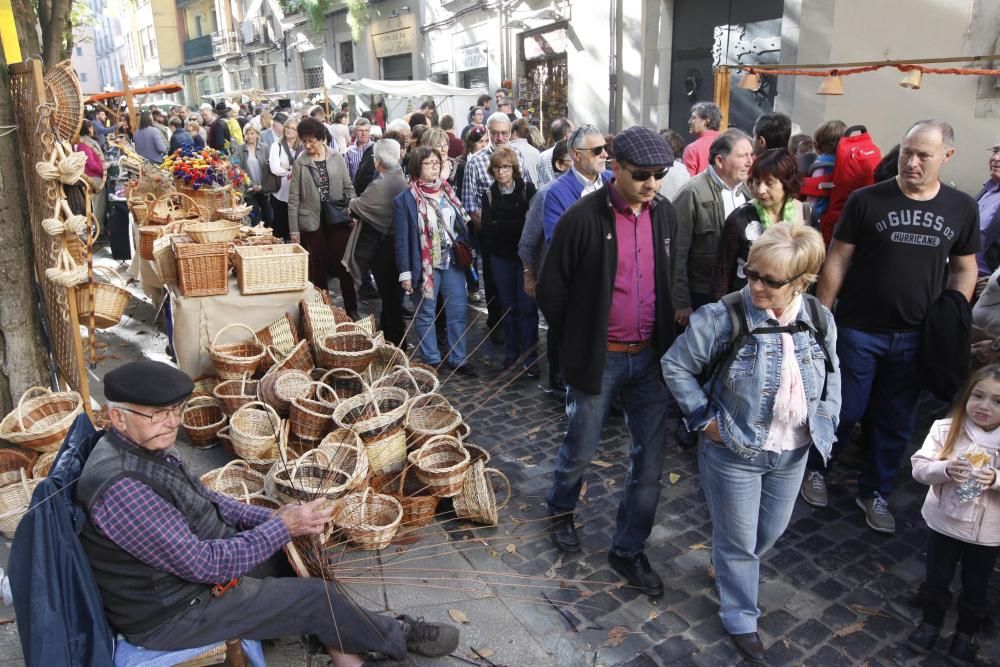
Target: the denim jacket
(743, 400)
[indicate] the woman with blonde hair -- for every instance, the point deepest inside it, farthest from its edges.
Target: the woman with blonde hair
(281, 158)
(757, 376)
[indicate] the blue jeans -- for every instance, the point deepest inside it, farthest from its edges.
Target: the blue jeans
(637, 377)
(878, 383)
(449, 284)
(520, 312)
(750, 503)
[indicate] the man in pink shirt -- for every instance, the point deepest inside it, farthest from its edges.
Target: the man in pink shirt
(704, 124)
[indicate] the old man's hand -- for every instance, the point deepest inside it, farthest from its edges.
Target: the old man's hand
(306, 519)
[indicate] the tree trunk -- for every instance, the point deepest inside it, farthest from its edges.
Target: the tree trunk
(68, 39)
(27, 28)
(22, 353)
(52, 15)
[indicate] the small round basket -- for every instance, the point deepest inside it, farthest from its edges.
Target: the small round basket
(15, 499)
(478, 501)
(212, 231)
(427, 416)
(418, 503)
(236, 480)
(441, 464)
(202, 419)
(234, 394)
(41, 419)
(348, 347)
(311, 417)
(255, 430)
(232, 360)
(16, 462)
(369, 520)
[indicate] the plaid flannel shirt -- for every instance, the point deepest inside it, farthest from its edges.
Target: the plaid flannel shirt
(478, 180)
(545, 171)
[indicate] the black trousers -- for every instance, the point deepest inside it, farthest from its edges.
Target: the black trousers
(943, 556)
(279, 218)
(261, 212)
(386, 274)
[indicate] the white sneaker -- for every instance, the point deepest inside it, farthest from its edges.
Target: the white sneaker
(5, 594)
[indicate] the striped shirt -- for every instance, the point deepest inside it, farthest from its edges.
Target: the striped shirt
(140, 521)
(477, 178)
(353, 157)
(632, 317)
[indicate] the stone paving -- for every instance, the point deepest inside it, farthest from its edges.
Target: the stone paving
(833, 591)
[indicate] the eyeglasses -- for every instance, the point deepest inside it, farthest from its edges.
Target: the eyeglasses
(595, 151)
(641, 175)
(754, 276)
(499, 133)
(504, 167)
(159, 416)
(310, 141)
(431, 163)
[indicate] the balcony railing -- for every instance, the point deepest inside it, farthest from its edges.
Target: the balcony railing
(198, 50)
(225, 43)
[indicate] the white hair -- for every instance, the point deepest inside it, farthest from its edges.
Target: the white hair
(362, 122)
(387, 153)
(375, 132)
(498, 117)
(398, 125)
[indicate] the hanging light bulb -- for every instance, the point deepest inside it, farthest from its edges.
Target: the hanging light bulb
(750, 81)
(832, 85)
(912, 80)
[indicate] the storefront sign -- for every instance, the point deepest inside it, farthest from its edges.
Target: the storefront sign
(471, 57)
(395, 43)
(545, 44)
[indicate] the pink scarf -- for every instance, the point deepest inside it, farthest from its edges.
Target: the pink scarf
(429, 230)
(790, 406)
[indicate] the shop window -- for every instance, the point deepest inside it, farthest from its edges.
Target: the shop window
(474, 78)
(439, 77)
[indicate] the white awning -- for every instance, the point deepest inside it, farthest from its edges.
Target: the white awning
(421, 88)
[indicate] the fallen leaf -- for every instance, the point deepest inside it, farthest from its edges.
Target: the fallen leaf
(583, 490)
(551, 572)
(601, 464)
(458, 616)
(616, 636)
(870, 611)
(711, 572)
(850, 629)
(494, 554)
(698, 547)
(584, 594)
(511, 548)
(653, 615)
(609, 483)
(479, 653)
(563, 584)
(674, 477)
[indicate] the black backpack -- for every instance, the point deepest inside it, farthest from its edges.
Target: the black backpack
(741, 332)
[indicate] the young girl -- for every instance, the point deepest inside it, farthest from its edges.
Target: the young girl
(966, 532)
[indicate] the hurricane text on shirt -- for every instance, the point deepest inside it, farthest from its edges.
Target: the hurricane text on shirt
(915, 218)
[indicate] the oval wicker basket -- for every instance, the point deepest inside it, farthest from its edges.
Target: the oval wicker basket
(202, 419)
(441, 464)
(476, 453)
(255, 431)
(311, 417)
(478, 501)
(236, 480)
(345, 382)
(107, 303)
(15, 463)
(212, 231)
(299, 358)
(41, 419)
(319, 473)
(426, 418)
(415, 381)
(418, 503)
(234, 394)
(348, 347)
(43, 466)
(369, 520)
(15, 499)
(373, 414)
(174, 207)
(387, 358)
(232, 360)
(278, 389)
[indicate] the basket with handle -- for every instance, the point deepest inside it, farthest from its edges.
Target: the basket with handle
(255, 430)
(202, 419)
(478, 501)
(212, 231)
(278, 389)
(318, 473)
(387, 358)
(418, 503)
(345, 382)
(299, 358)
(476, 453)
(209, 199)
(164, 259)
(43, 465)
(108, 301)
(15, 499)
(234, 394)
(369, 520)
(236, 480)
(377, 417)
(204, 386)
(282, 333)
(41, 419)
(441, 464)
(348, 347)
(320, 319)
(233, 360)
(173, 207)
(429, 415)
(16, 462)
(414, 381)
(311, 417)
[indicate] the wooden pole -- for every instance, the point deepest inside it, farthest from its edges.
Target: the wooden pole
(133, 119)
(870, 63)
(721, 93)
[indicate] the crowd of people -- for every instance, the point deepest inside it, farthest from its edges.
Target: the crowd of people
(686, 286)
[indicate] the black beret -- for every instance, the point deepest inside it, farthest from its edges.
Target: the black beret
(146, 382)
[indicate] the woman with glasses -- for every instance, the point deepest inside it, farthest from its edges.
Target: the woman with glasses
(320, 182)
(429, 223)
(760, 396)
(505, 206)
(284, 152)
(774, 182)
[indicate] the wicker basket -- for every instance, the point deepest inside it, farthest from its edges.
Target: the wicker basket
(43, 466)
(478, 501)
(209, 199)
(262, 269)
(202, 268)
(387, 358)
(320, 319)
(369, 520)
(419, 505)
(476, 453)
(234, 360)
(345, 382)
(15, 463)
(202, 419)
(15, 499)
(164, 259)
(427, 417)
(441, 464)
(148, 235)
(374, 414)
(387, 452)
(41, 419)
(348, 347)
(278, 389)
(204, 386)
(107, 303)
(237, 214)
(174, 207)
(318, 474)
(212, 231)
(312, 417)
(234, 394)
(281, 333)
(236, 480)
(255, 430)
(414, 381)
(299, 358)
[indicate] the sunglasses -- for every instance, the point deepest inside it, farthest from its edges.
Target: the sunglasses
(642, 175)
(754, 276)
(595, 151)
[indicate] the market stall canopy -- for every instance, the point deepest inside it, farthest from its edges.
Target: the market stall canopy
(163, 88)
(422, 88)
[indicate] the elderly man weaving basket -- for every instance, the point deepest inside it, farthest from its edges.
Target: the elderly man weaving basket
(180, 566)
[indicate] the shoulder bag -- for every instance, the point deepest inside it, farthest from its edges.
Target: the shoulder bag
(331, 212)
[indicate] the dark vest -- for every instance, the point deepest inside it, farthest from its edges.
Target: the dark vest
(138, 598)
(504, 222)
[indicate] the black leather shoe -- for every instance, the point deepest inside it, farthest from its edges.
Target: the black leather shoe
(465, 370)
(637, 572)
(563, 532)
(922, 639)
(963, 650)
(750, 646)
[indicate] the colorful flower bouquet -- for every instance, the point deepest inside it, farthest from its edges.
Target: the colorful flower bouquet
(203, 168)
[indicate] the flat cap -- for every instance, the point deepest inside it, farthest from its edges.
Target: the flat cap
(642, 147)
(146, 382)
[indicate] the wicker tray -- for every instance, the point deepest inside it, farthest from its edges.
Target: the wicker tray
(202, 268)
(263, 269)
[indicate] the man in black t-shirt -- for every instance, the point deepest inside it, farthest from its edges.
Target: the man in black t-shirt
(887, 264)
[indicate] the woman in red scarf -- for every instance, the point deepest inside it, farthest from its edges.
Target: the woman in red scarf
(429, 221)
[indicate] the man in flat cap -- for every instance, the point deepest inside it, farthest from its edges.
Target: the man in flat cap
(179, 566)
(605, 292)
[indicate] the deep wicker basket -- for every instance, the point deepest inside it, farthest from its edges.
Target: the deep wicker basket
(41, 419)
(255, 430)
(441, 464)
(107, 302)
(234, 360)
(312, 417)
(234, 394)
(202, 419)
(478, 501)
(348, 347)
(202, 268)
(15, 463)
(418, 503)
(369, 520)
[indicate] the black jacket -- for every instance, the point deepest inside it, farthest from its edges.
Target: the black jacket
(578, 277)
(943, 358)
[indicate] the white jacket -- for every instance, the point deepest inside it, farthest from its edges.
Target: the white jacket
(977, 521)
(281, 167)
